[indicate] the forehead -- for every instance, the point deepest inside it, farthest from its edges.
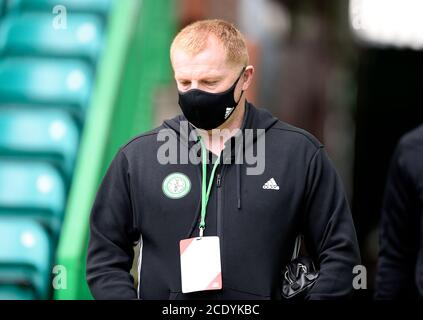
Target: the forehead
(208, 62)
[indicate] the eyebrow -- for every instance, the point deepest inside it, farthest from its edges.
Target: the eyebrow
(206, 78)
(212, 78)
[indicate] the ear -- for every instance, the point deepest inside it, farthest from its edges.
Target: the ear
(247, 77)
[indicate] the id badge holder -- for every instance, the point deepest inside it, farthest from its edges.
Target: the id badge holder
(200, 264)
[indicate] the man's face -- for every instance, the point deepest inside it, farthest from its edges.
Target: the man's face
(208, 70)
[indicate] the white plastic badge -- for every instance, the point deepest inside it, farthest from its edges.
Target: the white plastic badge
(200, 264)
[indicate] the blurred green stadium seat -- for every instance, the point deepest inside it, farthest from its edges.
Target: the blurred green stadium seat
(16, 292)
(46, 82)
(100, 7)
(47, 73)
(50, 135)
(33, 34)
(25, 255)
(31, 189)
(2, 7)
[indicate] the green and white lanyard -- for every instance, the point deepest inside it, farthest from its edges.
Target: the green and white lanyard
(205, 188)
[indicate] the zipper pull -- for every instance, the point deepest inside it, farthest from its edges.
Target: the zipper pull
(219, 180)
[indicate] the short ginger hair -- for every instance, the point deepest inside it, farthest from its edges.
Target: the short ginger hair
(194, 38)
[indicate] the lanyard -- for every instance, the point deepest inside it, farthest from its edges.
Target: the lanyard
(205, 189)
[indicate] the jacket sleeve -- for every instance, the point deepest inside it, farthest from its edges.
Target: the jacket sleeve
(112, 236)
(398, 234)
(330, 235)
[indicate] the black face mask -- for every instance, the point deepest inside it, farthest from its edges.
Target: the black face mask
(206, 110)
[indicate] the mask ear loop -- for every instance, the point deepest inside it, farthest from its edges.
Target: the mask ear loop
(242, 91)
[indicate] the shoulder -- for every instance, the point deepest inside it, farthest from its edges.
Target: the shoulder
(145, 140)
(281, 131)
(409, 151)
(412, 140)
(296, 135)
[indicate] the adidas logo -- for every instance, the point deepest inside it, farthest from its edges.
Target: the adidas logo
(271, 184)
(228, 112)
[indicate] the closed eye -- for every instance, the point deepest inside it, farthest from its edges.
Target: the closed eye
(209, 83)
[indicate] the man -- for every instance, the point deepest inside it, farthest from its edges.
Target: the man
(400, 267)
(246, 214)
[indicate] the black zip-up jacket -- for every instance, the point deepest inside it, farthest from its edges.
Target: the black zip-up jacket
(257, 226)
(400, 270)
